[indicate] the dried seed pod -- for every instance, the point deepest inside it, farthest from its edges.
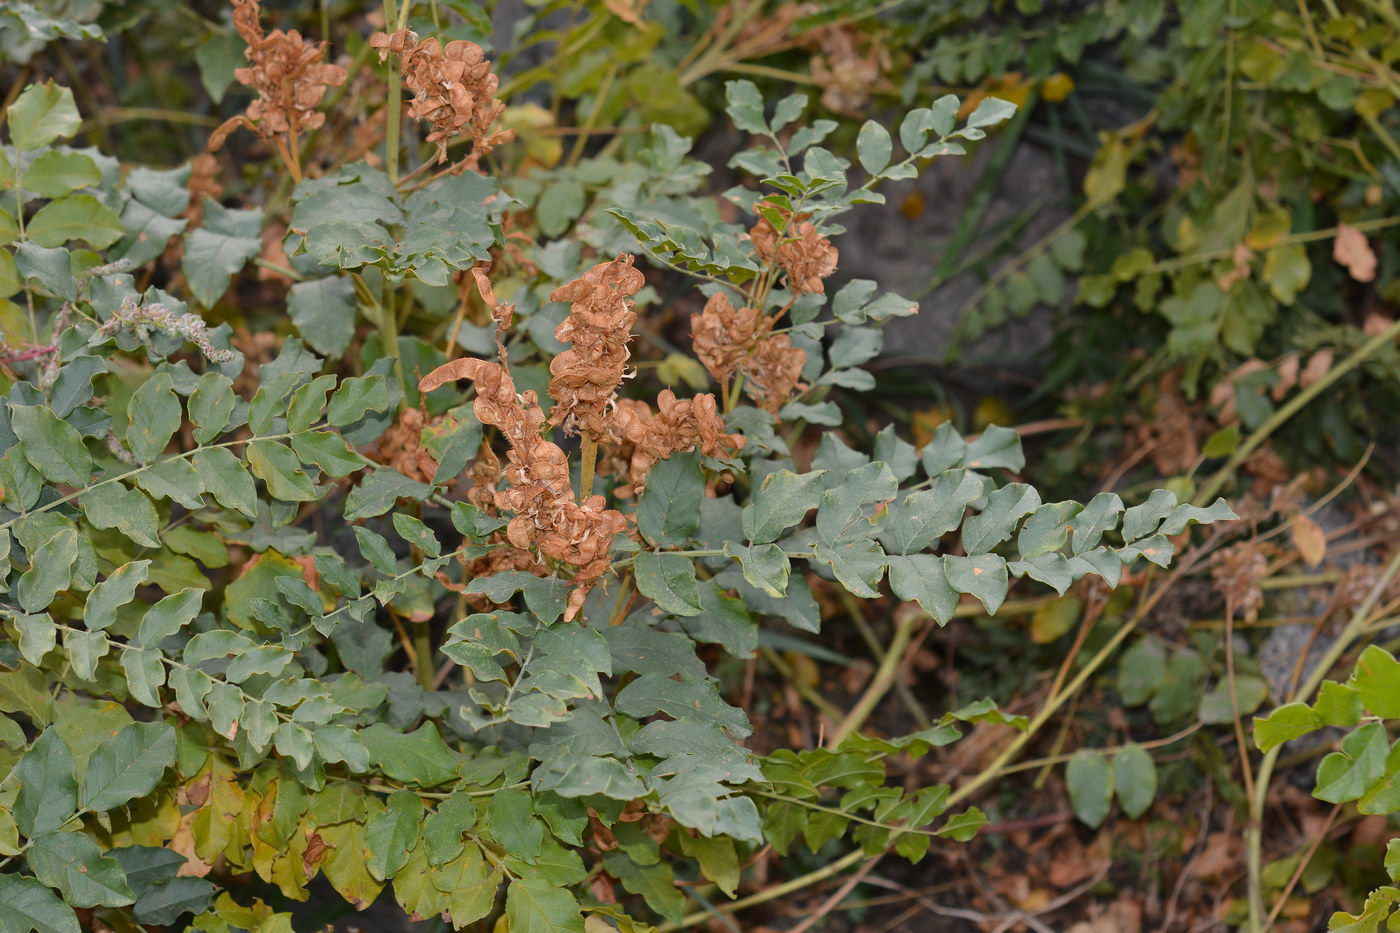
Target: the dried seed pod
(584, 379)
(724, 336)
(454, 90)
(537, 489)
(774, 370)
(805, 256)
(846, 66)
(678, 424)
(289, 75)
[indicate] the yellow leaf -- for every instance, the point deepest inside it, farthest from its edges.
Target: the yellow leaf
(1108, 173)
(1372, 102)
(1057, 87)
(414, 888)
(1055, 619)
(344, 864)
(1269, 228)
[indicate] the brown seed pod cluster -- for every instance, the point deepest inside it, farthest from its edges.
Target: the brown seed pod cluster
(775, 371)
(538, 489)
(401, 446)
(805, 256)
(678, 424)
(723, 336)
(729, 340)
(454, 89)
(584, 379)
(288, 72)
(846, 66)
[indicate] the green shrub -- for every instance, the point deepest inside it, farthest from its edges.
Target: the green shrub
(256, 622)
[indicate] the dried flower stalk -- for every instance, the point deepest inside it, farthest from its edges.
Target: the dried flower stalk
(846, 66)
(584, 379)
(143, 319)
(454, 89)
(291, 78)
(538, 489)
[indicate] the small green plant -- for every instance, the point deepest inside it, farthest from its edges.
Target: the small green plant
(348, 617)
(1365, 768)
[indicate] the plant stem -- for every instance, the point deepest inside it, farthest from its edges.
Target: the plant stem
(1253, 834)
(768, 894)
(391, 123)
(1295, 404)
(590, 458)
(423, 652)
(880, 685)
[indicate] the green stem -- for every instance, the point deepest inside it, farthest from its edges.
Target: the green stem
(423, 652)
(392, 128)
(1253, 834)
(768, 894)
(590, 459)
(880, 685)
(1295, 404)
(141, 469)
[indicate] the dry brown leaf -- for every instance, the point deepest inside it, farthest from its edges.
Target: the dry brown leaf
(1352, 250)
(1220, 857)
(1239, 271)
(1319, 364)
(1309, 539)
(1287, 377)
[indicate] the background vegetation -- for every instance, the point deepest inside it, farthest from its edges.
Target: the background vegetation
(452, 465)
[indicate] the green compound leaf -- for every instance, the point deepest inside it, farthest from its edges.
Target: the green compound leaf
(419, 757)
(26, 906)
(995, 523)
(128, 765)
(168, 616)
(765, 566)
(127, 510)
(75, 865)
(390, 834)
(668, 512)
(1347, 774)
(669, 579)
(53, 447)
(1134, 779)
(226, 480)
(921, 577)
(1285, 724)
(983, 576)
(1377, 680)
(536, 905)
(275, 464)
(48, 789)
(1090, 782)
(781, 502)
(43, 113)
(76, 217)
(50, 571)
(874, 147)
(164, 903)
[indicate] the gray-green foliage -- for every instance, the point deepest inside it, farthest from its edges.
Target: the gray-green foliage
(191, 629)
